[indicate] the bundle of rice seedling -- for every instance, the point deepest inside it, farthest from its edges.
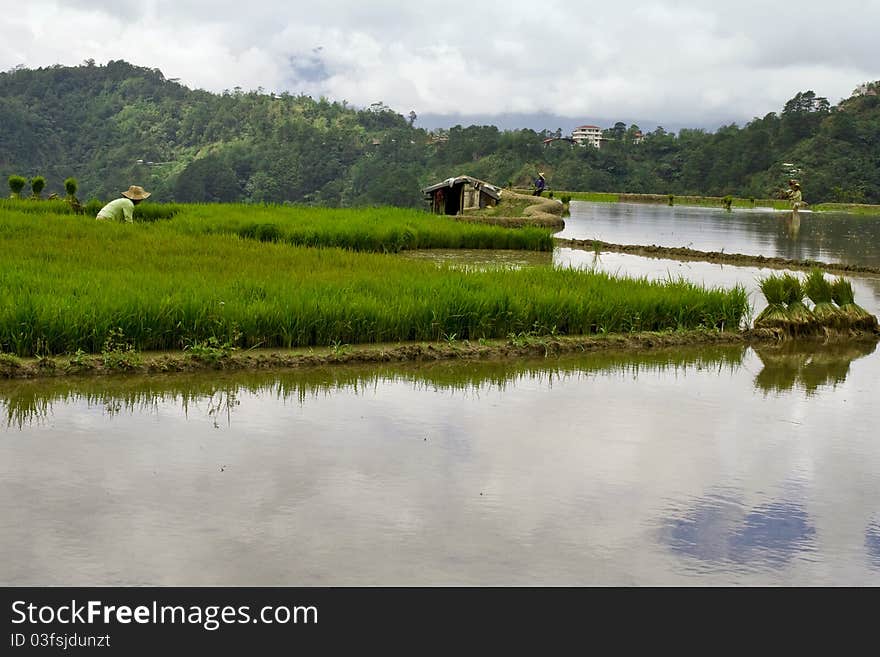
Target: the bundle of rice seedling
(818, 289)
(798, 314)
(858, 317)
(773, 316)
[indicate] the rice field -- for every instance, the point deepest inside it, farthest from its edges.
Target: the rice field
(383, 230)
(70, 283)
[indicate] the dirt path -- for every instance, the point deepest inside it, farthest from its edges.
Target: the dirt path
(537, 211)
(520, 347)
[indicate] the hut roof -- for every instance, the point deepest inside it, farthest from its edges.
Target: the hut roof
(492, 190)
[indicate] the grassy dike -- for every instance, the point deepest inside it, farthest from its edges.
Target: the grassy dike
(663, 199)
(71, 285)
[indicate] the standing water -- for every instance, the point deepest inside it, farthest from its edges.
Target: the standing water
(693, 466)
(824, 236)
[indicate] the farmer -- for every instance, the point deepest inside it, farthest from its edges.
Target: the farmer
(540, 184)
(122, 209)
(795, 196)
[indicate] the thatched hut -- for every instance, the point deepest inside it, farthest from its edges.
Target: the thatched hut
(455, 195)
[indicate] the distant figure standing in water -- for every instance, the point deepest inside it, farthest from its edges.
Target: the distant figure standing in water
(122, 209)
(795, 196)
(797, 201)
(540, 184)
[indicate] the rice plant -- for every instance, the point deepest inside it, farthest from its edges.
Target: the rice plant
(69, 283)
(382, 230)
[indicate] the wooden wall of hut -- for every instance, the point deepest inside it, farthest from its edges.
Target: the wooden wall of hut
(454, 200)
(470, 198)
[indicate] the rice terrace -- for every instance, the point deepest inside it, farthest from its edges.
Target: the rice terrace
(212, 342)
(487, 385)
(247, 278)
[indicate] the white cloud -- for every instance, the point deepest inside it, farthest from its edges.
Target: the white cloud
(678, 61)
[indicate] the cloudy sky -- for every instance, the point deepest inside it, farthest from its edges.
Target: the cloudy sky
(673, 62)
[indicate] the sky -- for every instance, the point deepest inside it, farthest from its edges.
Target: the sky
(667, 62)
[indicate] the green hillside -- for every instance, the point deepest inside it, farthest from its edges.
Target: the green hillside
(115, 125)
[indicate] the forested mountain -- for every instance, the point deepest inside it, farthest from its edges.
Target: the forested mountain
(116, 125)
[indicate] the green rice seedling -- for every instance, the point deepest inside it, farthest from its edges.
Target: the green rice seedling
(16, 184)
(382, 230)
(38, 184)
(67, 283)
(857, 317)
(818, 289)
(774, 315)
(799, 315)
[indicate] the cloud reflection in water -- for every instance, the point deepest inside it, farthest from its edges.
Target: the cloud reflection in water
(719, 530)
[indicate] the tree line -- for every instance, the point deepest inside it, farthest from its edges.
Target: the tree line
(118, 124)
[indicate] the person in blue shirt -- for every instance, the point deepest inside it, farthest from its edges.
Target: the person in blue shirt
(540, 184)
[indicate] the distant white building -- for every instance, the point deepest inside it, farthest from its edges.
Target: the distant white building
(588, 134)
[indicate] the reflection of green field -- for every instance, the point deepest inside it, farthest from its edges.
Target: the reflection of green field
(25, 402)
(807, 365)
(67, 283)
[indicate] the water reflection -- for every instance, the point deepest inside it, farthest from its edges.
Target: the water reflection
(821, 236)
(872, 543)
(793, 225)
(807, 366)
(218, 395)
(719, 529)
(554, 471)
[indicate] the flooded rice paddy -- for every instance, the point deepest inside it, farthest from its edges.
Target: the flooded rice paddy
(701, 466)
(828, 237)
(693, 466)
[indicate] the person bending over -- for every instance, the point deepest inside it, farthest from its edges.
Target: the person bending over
(122, 209)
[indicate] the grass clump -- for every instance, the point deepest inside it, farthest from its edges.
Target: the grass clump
(214, 351)
(9, 364)
(118, 353)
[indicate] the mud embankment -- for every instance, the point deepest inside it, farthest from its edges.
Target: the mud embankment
(539, 211)
(682, 253)
(519, 347)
